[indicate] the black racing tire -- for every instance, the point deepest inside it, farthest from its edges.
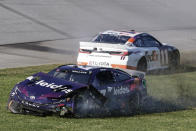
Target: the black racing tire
(13, 106)
(142, 65)
(135, 102)
(174, 61)
(84, 105)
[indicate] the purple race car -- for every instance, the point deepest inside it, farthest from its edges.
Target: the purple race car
(80, 91)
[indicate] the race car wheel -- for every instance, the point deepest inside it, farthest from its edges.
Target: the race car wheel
(135, 102)
(84, 105)
(13, 106)
(142, 65)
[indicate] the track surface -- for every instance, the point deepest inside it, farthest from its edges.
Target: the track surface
(34, 32)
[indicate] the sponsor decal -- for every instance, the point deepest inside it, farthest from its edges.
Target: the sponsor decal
(103, 92)
(64, 89)
(30, 78)
(53, 86)
(45, 84)
(79, 71)
(29, 104)
(109, 89)
(95, 63)
(100, 56)
(152, 57)
(121, 90)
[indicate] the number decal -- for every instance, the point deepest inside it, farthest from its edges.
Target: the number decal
(164, 57)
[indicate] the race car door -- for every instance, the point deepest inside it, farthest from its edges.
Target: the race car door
(113, 85)
(152, 52)
(104, 82)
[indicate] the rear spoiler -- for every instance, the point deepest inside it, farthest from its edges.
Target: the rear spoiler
(139, 74)
(101, 45)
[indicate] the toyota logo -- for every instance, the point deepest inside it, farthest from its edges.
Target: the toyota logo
(32, 97)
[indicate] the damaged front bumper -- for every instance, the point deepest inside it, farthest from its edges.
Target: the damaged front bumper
(19, 105)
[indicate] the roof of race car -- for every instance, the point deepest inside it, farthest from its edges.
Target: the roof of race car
(79, 67)
(130, 33)
(86, 68)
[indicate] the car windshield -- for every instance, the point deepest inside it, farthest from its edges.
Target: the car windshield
(111, 38)
(70, 75)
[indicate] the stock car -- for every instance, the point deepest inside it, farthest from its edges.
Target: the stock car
(78, 91)
(128, 50)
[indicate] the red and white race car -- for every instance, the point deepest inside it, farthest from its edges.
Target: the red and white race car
(128, 50)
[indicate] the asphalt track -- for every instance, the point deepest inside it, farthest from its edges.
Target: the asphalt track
(35, 32)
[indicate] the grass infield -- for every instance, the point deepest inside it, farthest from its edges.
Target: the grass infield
(170, 106)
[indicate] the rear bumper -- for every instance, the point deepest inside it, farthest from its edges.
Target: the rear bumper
(104, 60)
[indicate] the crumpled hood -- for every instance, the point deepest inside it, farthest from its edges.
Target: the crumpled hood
(43, 88)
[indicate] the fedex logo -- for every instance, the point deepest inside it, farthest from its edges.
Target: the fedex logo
(53, 86)
(45, 84)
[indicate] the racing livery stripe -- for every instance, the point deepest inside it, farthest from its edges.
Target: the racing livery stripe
(123, 66)
(114, 66)
(82, 63)
(131, 40)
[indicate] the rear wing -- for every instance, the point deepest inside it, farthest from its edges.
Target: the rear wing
(91, 45)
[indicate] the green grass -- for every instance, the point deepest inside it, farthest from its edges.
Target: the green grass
(168, 91)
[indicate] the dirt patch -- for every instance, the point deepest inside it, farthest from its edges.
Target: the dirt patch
(188, 58)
